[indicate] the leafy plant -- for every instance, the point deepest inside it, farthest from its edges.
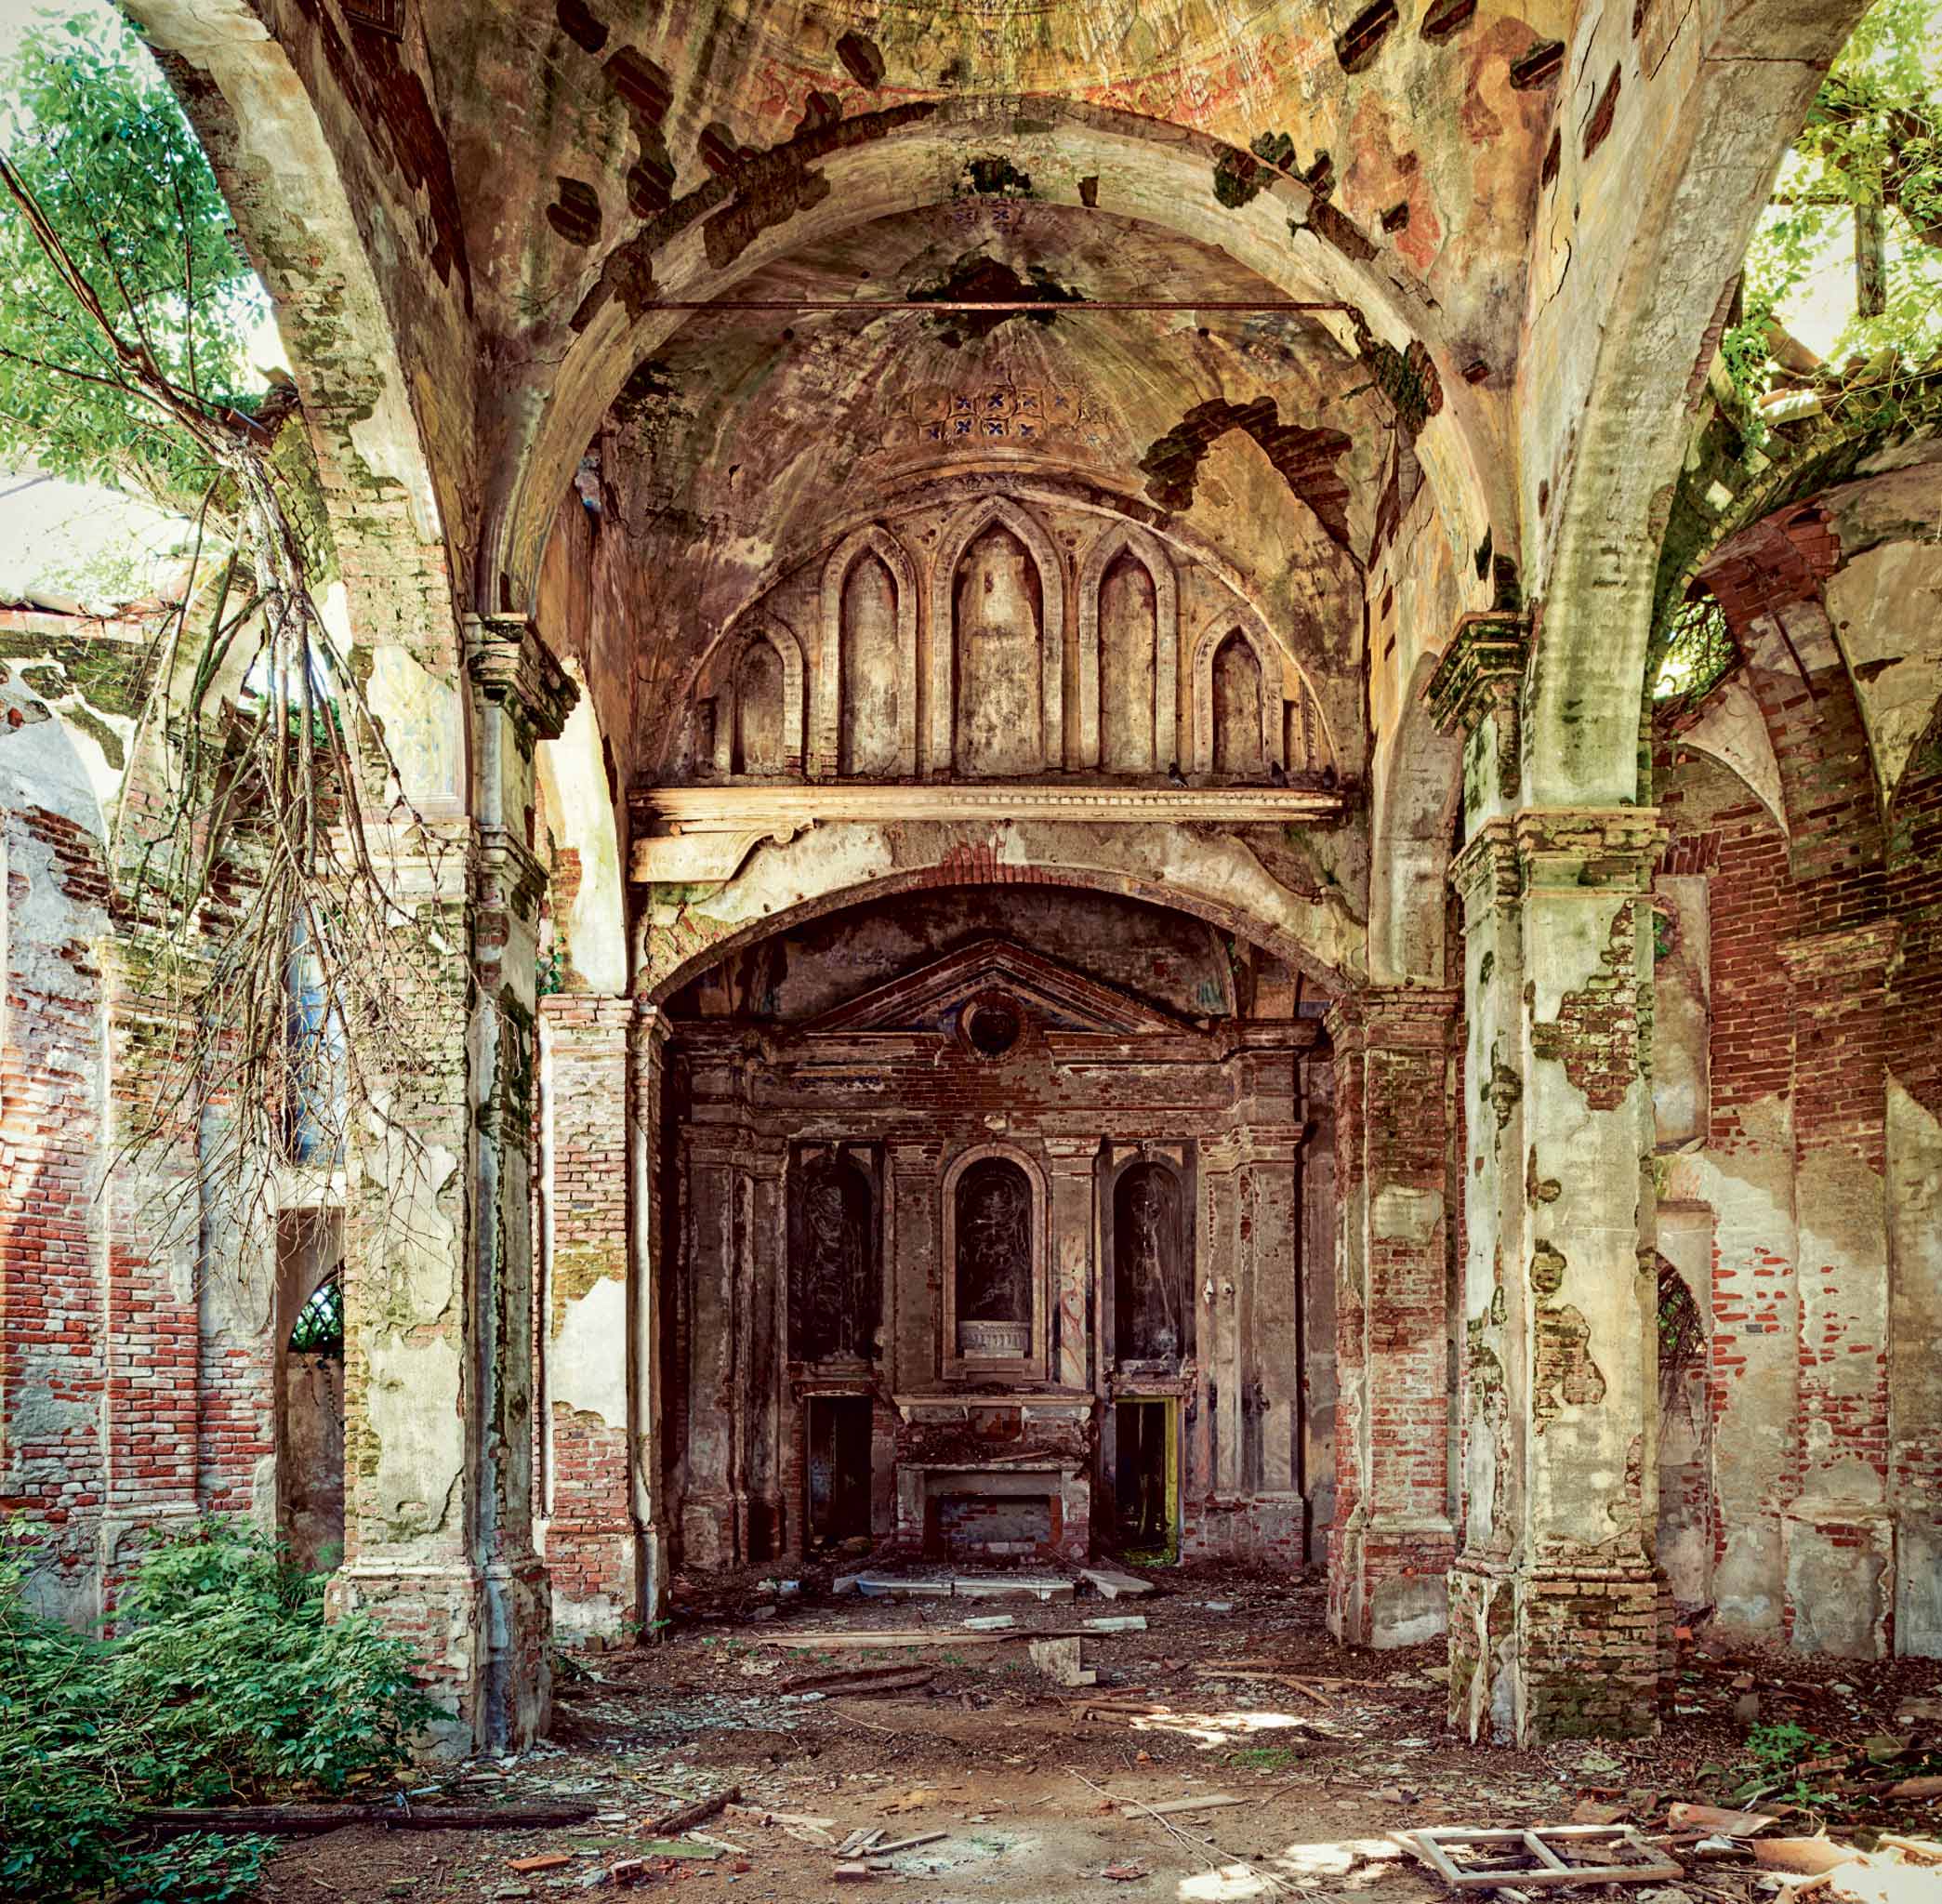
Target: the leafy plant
(225, 1684)
(111, 159)
(1864, 180)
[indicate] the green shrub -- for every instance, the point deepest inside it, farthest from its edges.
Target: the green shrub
(224, 1684)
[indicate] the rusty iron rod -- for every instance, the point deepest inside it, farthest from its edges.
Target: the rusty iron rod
(999, 304)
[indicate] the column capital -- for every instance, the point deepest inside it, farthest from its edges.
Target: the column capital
(514, 669)
(1557, 850)
(1481, 672)
(1394, 1017)
(648, 1029)
(507, 876)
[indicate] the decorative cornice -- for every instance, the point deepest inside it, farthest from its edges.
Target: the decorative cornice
(1588, 849)
(1487, 656)
(1558, 849)
(1394, 1018)
(1485, 872)
(505, 875)
(693, 835)
(515, 670)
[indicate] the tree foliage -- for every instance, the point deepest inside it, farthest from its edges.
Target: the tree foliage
(99, 141)
(1868, 160)
(263, 801)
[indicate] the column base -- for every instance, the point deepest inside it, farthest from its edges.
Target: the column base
(1840, 1577)
(484, 1634)
(1387, 1579)
(595, 1568)
(1540, 1655)
(713, 1532)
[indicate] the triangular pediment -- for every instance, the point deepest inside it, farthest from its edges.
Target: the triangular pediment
(934, 996)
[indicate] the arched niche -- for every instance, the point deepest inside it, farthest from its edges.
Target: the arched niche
(1148, 1224)
(757, 702)
(996, 513)
(994, 1262)
(1270, 673)
(836, 1277)
(865, 716)
(1122, 543)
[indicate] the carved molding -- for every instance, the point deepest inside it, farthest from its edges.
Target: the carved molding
(692, 835)
(1576, 849)
(514, 669)
(1481, 674)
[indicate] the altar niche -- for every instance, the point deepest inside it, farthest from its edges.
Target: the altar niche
(1145, 1234)
(835, 1254)
(994, 1225)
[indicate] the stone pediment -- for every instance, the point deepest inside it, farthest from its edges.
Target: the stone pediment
(936, 997)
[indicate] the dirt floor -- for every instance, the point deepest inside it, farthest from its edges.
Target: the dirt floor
(1027, 1785)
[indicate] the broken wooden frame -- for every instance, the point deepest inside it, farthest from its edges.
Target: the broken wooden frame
(1644, 1863)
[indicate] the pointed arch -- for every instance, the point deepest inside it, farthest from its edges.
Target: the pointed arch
(1268, 657)
(997, 511)
(1128, 538)
(825, 751)
(729, 661)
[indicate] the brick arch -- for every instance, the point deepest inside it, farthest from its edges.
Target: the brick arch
(1624, 337)
(314, 214)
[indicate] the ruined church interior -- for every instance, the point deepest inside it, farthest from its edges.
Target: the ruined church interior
(1169, 851)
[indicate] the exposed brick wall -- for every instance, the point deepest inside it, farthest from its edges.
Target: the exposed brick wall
(52, 1367)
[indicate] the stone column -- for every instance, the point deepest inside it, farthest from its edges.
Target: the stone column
(651, 1254)
(1553, 1601)
(439, 1266)
(1394, 1536)
(764, 1305)
(714, 1499)
(1270, 1372)
(1074, 1251)
(589, 1532)
(1553, 1620)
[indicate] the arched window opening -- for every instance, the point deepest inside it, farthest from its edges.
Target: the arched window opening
(1697, 650)
(834, 1274)
(318, 1327)
(1129, 625)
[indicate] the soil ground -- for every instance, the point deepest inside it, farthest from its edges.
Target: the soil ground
(1026, 1789)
